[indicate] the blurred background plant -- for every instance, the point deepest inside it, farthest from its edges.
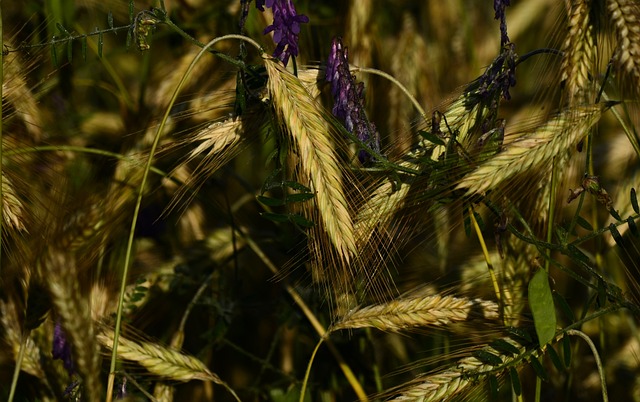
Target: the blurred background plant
(456, 260)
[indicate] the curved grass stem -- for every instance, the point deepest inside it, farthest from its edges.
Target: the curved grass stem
(134, 221)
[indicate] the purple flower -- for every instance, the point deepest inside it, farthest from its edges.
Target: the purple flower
(499, 6)
(348, 99)
(61, 348)
(285, 27)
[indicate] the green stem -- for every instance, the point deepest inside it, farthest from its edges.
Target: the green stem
(397, 83)
(308, 371)
(596, 356)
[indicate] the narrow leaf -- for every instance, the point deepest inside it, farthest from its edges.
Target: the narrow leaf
(301, 220)
(575, 252)
(131, 12)
(583, 222)
(634, 201)
(275, 217)
(431, 137)
(564, 306)
(54, 54)
(504, 347)
(487, 357)
(296, 186)
(542, 307)
(299, 197)
(566, 349)
(515, 381)
(539, 369)
(555, 359)
(62, 29)
(493, 388)
(479, 220)
(520, 335)
(616, 235)
(110, 19)
(270, 202)
(100, 44)
(633, 228)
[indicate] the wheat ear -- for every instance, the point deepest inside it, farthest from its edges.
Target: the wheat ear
(533, 150)
(416, 312)
(625, 15)
(12, 207)
(61, 276)
(465, 374)
(308, 131)
(578, 51)
(161, 361)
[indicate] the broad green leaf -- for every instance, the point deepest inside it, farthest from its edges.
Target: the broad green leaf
(542, 307)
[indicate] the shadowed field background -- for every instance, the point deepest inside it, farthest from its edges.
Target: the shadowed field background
(487, 250)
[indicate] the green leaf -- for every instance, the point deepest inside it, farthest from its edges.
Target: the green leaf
(299, 197)
(542, 307)
(555, 359)
(583, 222)
(131, 7)
(540, 371)
(467, 223)
(62, 29)
(479, 220)
(566, 349)
(275, 217)
(504, 347)
(494, 388)
(515, 381)
(296, 186)
(487, 357)
(272, 181)
(100, 44)
(633, 228)
(520, 335)
(634, 201)
(616, 235)
(575, 252)
(110, 19)
(54, 53)
(431, 137)
(300, 220)
(270, 202)
(615, 214)
(564, 306)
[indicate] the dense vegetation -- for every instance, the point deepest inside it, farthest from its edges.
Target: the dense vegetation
(345, 200)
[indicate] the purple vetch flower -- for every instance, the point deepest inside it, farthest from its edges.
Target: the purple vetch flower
(500, 76)
(62, 348)
(499, 7)
(285, 27)
(348, 97)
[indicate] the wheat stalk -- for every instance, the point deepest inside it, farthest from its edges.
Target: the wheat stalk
(534, 150)
(416, 312)
(578, 51)
(308, 131)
